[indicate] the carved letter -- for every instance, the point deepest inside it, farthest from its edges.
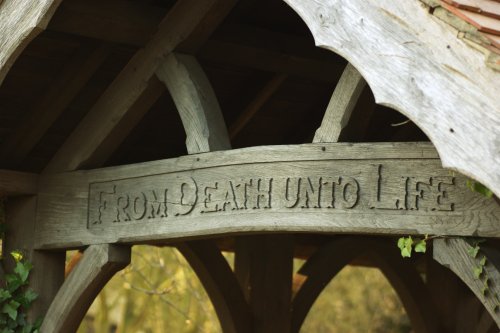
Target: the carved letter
(189, 197)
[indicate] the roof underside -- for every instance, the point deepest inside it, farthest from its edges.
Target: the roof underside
(262, 57)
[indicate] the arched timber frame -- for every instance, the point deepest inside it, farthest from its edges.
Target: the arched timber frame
(414, 73)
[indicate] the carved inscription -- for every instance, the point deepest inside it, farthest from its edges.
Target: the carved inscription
(370, 189)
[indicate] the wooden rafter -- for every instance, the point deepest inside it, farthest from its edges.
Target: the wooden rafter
(342, 103)
(71, 80)
(17, 183)
(99, 263)
(196, 103)
(181, 24)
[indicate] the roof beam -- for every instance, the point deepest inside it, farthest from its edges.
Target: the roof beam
(181, 23)
(125, 22)
(273, 61)
(17, 183)
(65, 88)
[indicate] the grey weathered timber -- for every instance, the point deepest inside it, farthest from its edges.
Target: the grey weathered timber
(220, 284)
(332, 257)
(453, 254)
(416, 65)
(381, 188)
(99, 263)
(270, 282)
(17, 183)
(20, 22)
(343, 100)
(196, 103)
(180, 24)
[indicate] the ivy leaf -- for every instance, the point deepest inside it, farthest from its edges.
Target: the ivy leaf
(405, 245)
(483, 261)
(22, 270)
(478, 271)
(28, 298)
(421, 246)
(473, 251)
(11, 309)
(13, 282)
(4, 294)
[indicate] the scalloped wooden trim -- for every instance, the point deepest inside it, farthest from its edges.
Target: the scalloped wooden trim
(416, 65)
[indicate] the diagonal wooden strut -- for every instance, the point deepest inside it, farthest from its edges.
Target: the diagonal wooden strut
(99, 263)
(342, 103)
(454, 254)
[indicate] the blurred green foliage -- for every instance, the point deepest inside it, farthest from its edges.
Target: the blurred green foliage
(159, 292)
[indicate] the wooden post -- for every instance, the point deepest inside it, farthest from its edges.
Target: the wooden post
(99, 263)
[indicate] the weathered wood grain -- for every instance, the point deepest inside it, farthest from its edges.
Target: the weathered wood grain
(453, 253)
(342, 103)
(180, 24)
(416, 65)
(365, 188)
(196, 103)
(220, 284)
(20, 22)
(46, 111)
(98, 265)
(17, 183)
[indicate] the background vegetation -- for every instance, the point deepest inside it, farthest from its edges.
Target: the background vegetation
(159, 292)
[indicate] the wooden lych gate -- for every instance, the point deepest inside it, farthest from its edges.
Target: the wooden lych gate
(344, 199)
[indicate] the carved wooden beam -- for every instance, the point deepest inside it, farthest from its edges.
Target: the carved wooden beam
(180, 25)
(196, 103)
(99, 263)
(76, 74)
(17, 183)
(331, 187)
(420, 68)
(220, 284)
(343, 100)
(20, 22)
(454, 254)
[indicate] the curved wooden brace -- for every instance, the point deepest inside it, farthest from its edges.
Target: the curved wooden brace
(418, 66)
(99, 263)
(20, 22)
(196, 102)
(322, 267)
(221, 285)
(453, 254)
(410, 288)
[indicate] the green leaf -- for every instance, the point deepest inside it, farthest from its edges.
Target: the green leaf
(478, 271)
(4, 295)
(23, 270)
(480, 188)
(405, 245)
(483, 261)
(421, 246)
(473, 251)
(28, 297)
(11, 309)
